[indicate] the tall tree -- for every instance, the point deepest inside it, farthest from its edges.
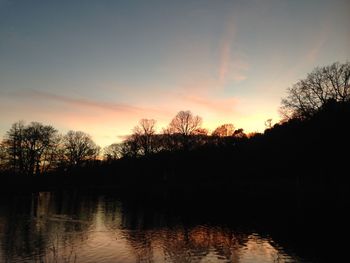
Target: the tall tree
(323, 84)
(29, 147)
(13, 143)
(143, 133)
(38, 139)
(130, 147)
(185, 123)
(79, 148)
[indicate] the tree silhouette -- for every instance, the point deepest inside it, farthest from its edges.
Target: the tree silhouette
(79, 148)
(143, 134)
(170, 141)
(30, 148)
(185, 123)
(14, 147)
(224, 130)
(113, 152)
(239, 133)
(307, 96)
(3, 156)
(38, 139)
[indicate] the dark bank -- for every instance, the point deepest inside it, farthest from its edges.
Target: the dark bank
(184, 195)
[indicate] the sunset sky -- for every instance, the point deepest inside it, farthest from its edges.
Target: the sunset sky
(100, 66)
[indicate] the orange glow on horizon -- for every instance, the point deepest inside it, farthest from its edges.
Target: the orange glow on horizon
(108, 123)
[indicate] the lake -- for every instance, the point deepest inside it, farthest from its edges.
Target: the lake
(73, 226)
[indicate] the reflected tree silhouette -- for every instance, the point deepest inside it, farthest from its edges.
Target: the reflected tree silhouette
(43, 227)
(153, 241)
(38, 222)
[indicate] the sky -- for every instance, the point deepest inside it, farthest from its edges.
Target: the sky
(101, 66)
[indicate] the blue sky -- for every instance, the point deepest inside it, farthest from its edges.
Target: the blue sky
(100, 66)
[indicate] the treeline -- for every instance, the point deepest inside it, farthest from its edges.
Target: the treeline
(36, 148)
(315, 111)
(183, 133)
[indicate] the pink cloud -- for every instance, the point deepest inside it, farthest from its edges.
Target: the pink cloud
(116, 119)
(232, 65)
(80, 102)
(225, 106)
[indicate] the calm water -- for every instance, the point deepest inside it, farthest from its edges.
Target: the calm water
(75, 227)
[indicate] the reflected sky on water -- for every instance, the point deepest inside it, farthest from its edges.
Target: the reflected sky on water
(71, 227)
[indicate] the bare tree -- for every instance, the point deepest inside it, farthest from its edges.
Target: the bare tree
(130, 147)
(13, 144)
(29, 147)
(38, 140)
(113, 152)
(323, 84)
(79, 148)
(53, 155)
(3, 157)
(224, 130)
(185, 123)
(143, 134)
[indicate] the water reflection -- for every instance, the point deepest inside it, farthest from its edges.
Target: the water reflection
(71, 227)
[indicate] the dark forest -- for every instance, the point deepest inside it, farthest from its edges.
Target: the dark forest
(306, 151)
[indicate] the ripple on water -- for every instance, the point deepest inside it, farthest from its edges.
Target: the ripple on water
(98, 232)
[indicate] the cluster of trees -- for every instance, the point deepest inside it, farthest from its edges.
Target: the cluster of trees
(322, 86)
(183, 133)
(35, 148)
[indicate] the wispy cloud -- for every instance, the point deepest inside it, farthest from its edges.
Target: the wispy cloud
(232, 64)
(314, 52)
(221, 106)
(83, 102)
